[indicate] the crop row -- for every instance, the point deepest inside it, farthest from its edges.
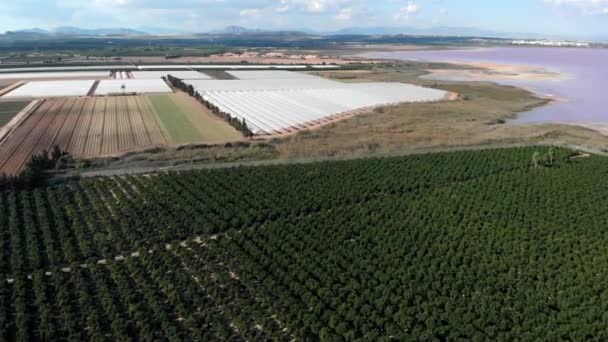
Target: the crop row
(462, 245)
(104, 217)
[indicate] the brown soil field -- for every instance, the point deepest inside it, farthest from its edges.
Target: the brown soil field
(84, 127)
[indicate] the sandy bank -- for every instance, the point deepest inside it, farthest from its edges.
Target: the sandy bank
(494, 72)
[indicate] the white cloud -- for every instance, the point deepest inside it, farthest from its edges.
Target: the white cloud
(313, 6)
(112, 3)
(345, 14)
(406, 11)
(317, 5)
(250, 12)
(591, 7)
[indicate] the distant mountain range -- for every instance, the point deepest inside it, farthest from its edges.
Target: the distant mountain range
(239, 30)
(385, 31)
(76, 31)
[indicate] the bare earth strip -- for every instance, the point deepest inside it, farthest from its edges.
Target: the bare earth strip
(125, 131)
(18, 119)
(81, 131)
(137, 123)
(69, 127)
(110, 139)
(95, 136)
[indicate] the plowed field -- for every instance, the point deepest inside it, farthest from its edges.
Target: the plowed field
(84, 127)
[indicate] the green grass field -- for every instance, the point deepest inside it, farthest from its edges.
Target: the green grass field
(188, 122)
(9, 109)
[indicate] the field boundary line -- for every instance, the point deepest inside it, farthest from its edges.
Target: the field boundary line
(11, 87)
(93, 88)
(36, 120)
(103, 125)
(144, 170)
(17, 120)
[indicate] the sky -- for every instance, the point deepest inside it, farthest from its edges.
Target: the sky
(573, 18)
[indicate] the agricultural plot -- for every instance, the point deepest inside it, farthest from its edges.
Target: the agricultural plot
(120, 75)
(266, 84)
(184, 75)
(68, 68)
(57, 75)
(269, 74)
(8, 109)
(51, 89)
(142, 86)
(85, 127)
(423, 247)
(90, 127)
(274, 106)
(187, 121)
(235, 66)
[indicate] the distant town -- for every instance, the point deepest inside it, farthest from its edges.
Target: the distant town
(554, 43)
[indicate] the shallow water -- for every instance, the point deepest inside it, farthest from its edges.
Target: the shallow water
(584, 91)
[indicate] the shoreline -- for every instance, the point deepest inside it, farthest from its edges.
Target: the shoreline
(516, 75)
(494, 72)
